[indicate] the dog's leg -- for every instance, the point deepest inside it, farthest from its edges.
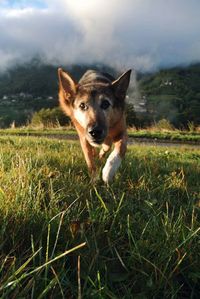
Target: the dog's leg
(89, 153)
(105, 147)
(114, 160)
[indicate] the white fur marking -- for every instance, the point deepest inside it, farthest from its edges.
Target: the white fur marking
(112, 164)
(81, 117)
(94, 144)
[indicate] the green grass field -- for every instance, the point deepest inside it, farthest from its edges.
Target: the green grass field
(173, 135)
(63, 236)
(151, 134)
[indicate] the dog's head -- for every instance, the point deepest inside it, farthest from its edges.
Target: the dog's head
(96, 103)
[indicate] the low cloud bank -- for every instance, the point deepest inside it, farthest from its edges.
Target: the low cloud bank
(144, 35)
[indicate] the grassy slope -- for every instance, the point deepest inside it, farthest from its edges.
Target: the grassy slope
(141, 234)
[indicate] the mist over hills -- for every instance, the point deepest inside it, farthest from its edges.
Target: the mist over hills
(173, 94)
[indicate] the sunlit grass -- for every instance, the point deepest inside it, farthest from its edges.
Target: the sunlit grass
(170, 135)
(152, 133)
(138, 238)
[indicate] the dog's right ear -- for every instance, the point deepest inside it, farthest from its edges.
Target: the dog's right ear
(121, 84)
(66, 85)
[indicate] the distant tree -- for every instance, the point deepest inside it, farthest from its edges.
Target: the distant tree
(49, 117)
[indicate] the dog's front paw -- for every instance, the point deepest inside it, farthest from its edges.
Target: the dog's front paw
(112, 164)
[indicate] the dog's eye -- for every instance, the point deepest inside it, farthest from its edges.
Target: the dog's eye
(105, 104)
(83, 106)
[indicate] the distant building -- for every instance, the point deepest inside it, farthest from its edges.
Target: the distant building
(166, 83)
(141, 105)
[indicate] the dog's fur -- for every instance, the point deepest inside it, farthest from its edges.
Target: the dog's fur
(96, 107)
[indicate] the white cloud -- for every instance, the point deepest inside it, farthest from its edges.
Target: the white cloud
(125, 33)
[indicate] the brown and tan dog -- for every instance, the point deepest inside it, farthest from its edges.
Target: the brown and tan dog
(96, 107)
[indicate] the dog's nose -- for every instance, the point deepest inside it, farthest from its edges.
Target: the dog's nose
(96, 132)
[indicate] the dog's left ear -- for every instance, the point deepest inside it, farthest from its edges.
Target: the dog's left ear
(121, 84)
(67, 84)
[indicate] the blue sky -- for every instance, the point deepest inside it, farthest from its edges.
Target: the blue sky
(140, 34)
(23, 4)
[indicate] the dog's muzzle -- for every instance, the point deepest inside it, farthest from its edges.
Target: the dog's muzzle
(96, 134)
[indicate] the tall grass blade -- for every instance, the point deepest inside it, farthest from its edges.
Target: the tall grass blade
(101, 200)
(40, 267)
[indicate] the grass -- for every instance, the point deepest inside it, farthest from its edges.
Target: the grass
(31, 131)
(173, 135)
(150, 133)
(63, 236)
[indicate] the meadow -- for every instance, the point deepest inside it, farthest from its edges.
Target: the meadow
(65, 236)
(152, 133)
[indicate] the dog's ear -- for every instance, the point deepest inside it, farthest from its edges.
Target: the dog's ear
(120, 85)
(66, 84)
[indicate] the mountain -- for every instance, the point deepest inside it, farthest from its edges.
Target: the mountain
(172, 94)
(27, 88)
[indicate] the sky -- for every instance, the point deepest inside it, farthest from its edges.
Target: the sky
(141, 34)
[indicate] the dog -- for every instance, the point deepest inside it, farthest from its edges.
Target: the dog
(96, 107)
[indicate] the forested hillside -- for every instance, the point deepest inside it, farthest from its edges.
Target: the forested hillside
(172, 94)
(27, 88)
